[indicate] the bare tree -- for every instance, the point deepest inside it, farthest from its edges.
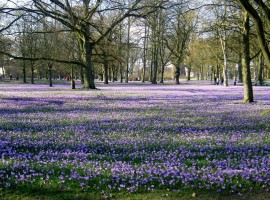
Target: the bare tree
(82, 19)
(145, 48)
(181, 26)
(222, 14)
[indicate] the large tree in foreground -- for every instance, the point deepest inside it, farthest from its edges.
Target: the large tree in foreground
(84, 18)
(250, 6)
(248, 91)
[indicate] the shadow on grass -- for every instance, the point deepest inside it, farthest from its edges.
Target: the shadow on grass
(48, 195)
(157, 195)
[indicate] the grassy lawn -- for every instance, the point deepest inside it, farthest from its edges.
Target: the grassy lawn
(157, 195)
(133, 141)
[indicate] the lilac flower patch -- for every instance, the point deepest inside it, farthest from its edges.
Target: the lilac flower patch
(134, 138)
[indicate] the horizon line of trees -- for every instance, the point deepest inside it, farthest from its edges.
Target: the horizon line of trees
(137, 40)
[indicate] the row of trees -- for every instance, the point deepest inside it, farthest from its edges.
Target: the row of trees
(113, 39)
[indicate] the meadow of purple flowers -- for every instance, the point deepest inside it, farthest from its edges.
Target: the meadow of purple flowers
(134, 138)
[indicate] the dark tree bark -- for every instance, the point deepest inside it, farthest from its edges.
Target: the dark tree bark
(240, 74)
(120, 47)
(114, 73)
(260, 73)
(128, 50)
(154, 79)
(218, 72)
(73, 85)
(248, 91)
(259, 27)
(50, 74)
(177, 74)
(88, 69)
(163, 56)
(24, 72)
(156, 44)
(121, 75)
(72, 78)
(155, 61)
(178, 67)
(110, 73)
(106, 73)
(202, 72)
(162, 73)
(264, 8)
(81, 75)
(32, 73)
(145, 44)
(151, 65)
(188, 73)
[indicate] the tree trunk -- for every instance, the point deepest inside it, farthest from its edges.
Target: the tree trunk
(154, 80)
(143, 72)
(240, 74)
(121, 75)
(72, 78)
(225, 57)
(188, 73)
(106, 73)
(162, 73)
(110, 73)
(114, 73)
(128, 50)
(145, 44)
(260, 73)
(217, 73)
(152, 64)
(212, 74)
(248, 91)
(32, 73)
(181, 43)
(202, 73)
(82, 76)
(88, 70)
(121, 53)
(50, 74)
(24, 72)
(177, 71)
(177, 75)
(151, 72)
(155, 64)
(157, 44)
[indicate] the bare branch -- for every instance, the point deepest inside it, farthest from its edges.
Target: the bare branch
(41, 58)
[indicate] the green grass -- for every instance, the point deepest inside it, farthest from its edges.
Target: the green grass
(155, 195)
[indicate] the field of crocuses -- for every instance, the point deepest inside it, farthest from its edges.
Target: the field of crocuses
(134, 139)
